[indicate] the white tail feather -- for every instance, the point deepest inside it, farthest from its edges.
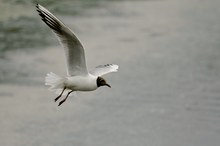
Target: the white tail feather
(54, 81)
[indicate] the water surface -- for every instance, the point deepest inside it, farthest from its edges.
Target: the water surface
(166, 92)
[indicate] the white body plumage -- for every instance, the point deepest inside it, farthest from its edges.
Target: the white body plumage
(81, 83)
(74, 83)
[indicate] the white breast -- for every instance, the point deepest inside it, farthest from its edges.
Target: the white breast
(81, 83)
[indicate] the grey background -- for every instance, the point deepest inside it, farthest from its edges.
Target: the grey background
(166, 92)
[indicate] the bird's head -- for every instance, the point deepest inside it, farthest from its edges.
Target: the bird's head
(101, 82)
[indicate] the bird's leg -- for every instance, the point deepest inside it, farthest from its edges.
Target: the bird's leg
(65, 98)
(60, 95)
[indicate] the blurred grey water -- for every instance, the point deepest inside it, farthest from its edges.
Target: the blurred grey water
(166, 92)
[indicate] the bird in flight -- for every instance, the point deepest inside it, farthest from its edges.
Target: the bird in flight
(78, 77)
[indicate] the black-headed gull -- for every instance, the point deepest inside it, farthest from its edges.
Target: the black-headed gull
(78, 77)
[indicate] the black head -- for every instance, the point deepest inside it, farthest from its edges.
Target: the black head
(101, 82)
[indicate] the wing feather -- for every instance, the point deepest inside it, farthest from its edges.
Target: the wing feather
(74, 51)
(104, 69)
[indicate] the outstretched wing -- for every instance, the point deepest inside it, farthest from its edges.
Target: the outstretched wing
(74, 51)
(104, 69)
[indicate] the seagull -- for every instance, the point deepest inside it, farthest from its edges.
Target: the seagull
(78, 77)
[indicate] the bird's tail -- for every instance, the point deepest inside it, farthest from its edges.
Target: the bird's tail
(54, 81)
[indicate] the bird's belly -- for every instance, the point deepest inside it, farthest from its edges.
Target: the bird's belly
(82, 88)
(81, 85)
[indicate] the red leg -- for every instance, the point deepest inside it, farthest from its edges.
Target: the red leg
(60, 95)
(65, 98)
